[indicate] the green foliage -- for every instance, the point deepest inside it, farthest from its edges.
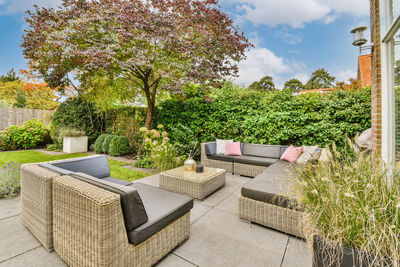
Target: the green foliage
(165, 157)
(320, 79)
(105, 147)
(274, 118)
(293, 85)
(9, 77)
(68, 132)
(397, 72)
(119, 146)
(349, 200)
(31, 134)
(144, 162)
(79, 115)
(53, 147)
(264, 85)
(9, 180)
(98, 145)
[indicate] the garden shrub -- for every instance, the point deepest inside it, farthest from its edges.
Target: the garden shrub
(77, 114)
(29, 135)
(106, 143)
(267, 118)
(98, 145)
(119, 146)
(9, 180)
(165, 157)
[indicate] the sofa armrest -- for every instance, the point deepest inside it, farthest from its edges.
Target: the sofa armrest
(88, 226)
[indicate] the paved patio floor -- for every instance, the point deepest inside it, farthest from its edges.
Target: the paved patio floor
(218, 237)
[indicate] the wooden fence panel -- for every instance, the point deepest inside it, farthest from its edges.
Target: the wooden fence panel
(15, 116)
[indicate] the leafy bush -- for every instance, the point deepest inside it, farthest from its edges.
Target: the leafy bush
(53, 147)
(165, 157)
(9, 180)
(98, 145)
(119, 146)
(31, 134)
(266, 118)
(77, 114)
(68, 132)
(144, 162)
(106, 143)
(349, 200)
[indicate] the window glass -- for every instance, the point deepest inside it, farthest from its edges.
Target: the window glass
(395, 9)
(396, 84)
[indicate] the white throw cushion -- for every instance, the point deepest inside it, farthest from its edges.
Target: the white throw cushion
(221, 146)
(308, 154)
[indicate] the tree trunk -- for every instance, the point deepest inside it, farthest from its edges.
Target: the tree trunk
(149, 114)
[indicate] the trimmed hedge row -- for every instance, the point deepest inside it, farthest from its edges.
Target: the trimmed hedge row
(112, 145)
(269, 118)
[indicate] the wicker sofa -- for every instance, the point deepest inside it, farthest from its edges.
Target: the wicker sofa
(264, 200)
(93, 221)
(254, 160)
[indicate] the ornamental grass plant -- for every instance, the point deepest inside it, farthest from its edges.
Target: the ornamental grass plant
(352, 200)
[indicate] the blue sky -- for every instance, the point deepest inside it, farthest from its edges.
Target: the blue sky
(292, 38)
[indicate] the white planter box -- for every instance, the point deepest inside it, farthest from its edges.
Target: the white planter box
(75, 144)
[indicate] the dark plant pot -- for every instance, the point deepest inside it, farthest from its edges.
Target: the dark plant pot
(345, 256)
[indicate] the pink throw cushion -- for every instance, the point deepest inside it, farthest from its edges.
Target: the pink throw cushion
(233, 149)
(292, 153)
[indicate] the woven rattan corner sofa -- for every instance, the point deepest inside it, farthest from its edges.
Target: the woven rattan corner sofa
(265, 198)
(91, 219)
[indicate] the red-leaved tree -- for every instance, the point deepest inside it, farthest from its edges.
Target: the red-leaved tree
(154, 44)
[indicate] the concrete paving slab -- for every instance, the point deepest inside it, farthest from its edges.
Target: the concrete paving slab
(173, 261)
(297, 254)
(198, 211)
(153, 180)
(10, 207)
(35, 257)
(221, 239)
(231, 203)
(15, 239)
(233, 182)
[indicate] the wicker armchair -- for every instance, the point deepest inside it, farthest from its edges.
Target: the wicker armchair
(89, 228)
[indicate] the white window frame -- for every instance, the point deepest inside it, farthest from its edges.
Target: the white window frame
(389, 27)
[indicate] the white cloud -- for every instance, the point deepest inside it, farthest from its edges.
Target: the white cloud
(259, 63)
(296, 13)
(287, 37)
(19, 6)
(345, 75)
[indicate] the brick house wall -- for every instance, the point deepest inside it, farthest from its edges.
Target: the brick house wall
(376, 87)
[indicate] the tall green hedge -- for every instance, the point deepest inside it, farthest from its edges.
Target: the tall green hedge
(269, 118)
(75, 114)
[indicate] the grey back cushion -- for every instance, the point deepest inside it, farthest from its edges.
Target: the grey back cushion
(96, 166)
(283, 149)
(132, 206)
(55, 169)
(211, 148)
(266, 151)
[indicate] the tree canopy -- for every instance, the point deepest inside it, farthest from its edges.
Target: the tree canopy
(320, 79)
(293, 85)
(154, 44)
(266, 84)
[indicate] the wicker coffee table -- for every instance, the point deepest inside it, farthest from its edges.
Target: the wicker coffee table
(191, 183)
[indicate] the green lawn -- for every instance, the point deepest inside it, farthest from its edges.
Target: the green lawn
(35, 156)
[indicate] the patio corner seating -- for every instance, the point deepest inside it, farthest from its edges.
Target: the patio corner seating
(100, 222)
(264, 199)
(255, 158)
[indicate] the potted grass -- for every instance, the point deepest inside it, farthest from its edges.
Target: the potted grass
(351, 209)
(74, 141)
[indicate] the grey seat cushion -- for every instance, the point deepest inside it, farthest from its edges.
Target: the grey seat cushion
(221, 157)
(252, 160)
(117, 181)
(266, 151)
(163, 207)
(132, 206)
(272, 185)
(96, 166)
